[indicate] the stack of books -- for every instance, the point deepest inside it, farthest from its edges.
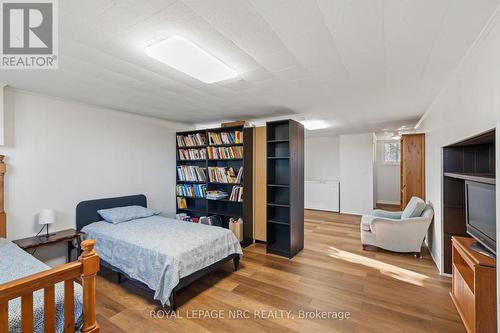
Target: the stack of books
(191, 140)
(225, 175)
(192, 154)
(181, 203)
(186, 217)
(225, 153)
(225, 138)
(216, 195)
(191, 173)
(191, 191)
(236, 194)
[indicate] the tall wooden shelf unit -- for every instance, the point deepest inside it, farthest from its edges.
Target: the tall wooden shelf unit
(224, 208)
(471, 159)
(285, 187)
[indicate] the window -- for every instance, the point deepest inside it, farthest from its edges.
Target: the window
(392, 152)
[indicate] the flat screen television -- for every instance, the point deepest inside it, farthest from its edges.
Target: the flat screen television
(480, 212)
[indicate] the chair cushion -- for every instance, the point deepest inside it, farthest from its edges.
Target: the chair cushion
(414, 208)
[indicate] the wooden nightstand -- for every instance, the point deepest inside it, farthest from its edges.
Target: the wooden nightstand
(58, 237)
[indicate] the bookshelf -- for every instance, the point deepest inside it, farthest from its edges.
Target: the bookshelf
(228, 153)
(285, 187)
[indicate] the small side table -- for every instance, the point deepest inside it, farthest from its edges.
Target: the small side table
(63, 236)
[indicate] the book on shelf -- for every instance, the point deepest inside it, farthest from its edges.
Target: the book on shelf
(191, 140)
(192, 154)
(216, 195)
(225, 138)
(185, 217)
(225, 175)
(236, 194)
(191, 191)
(181, 203)
(191, 173)
(225, 153)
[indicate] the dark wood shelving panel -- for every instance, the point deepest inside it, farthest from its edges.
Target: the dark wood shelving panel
(475, 177)
(472, 159)
(224, 208)
(285, 187)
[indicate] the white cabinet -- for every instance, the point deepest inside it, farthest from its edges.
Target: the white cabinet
(322, 195)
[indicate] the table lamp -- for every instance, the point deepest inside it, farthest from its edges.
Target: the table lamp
(46, 217)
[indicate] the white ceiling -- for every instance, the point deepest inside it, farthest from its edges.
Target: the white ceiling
(361, 65)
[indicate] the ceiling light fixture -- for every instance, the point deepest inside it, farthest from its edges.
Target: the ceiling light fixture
(314, 124)
(187, 57)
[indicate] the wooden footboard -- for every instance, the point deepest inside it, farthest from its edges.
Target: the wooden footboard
(85, 268)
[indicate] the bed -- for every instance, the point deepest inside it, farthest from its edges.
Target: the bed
(37, 298)
(15, 264)
(162, 253)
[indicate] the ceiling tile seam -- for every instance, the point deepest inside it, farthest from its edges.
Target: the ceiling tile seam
(142, 68)
(493, 20)
(237, 46)
(116, 35)
(334, 41)
(124, 92)
(269, 26)
(436, 38)
(81, 102)
(173, 94)
(150, 71)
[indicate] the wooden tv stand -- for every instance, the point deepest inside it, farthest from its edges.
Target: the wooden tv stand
(473, 287)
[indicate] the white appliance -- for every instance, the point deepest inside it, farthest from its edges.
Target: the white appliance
(322, 195)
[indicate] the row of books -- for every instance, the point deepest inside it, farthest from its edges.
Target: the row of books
(191, 173)
(191, 140)
(225, 138)
(216, 195)
(213, 220)
(225, 153)
(225, 175)
(192, 191)
(192, 154)
(181, 203)
(236, 194)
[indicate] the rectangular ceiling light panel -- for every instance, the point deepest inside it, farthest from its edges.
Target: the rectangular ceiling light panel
(314, 124)
(187, 57)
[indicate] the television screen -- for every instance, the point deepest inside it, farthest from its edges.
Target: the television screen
(481, 213)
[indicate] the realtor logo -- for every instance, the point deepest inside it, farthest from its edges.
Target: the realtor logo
(29, 34)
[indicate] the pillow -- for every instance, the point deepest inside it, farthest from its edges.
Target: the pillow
(414, 208)
(124, 214)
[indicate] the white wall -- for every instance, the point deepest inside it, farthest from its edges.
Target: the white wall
(59, 153)
(2, 131)
(321, 158)
(356, 173)
(469, 104)
(387, 178)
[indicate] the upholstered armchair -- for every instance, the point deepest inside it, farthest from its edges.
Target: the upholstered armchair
(397, 231)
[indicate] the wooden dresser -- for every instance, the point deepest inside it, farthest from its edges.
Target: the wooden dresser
(474, 287)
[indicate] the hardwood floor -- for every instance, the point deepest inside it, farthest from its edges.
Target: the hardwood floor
(381, 291)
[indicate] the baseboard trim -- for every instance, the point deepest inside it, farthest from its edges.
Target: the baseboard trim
(389, 202)
(322, 210)
(351, 213)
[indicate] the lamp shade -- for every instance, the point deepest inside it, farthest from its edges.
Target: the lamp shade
(46, 216)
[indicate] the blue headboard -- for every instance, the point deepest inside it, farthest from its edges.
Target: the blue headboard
(86, 211)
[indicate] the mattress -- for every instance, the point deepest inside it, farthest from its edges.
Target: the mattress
(159, 251)
(15, 264)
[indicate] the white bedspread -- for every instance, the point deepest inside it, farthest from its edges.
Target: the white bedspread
(159, 251)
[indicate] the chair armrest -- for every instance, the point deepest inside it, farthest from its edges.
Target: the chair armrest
(414, 223)
(386, 214)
